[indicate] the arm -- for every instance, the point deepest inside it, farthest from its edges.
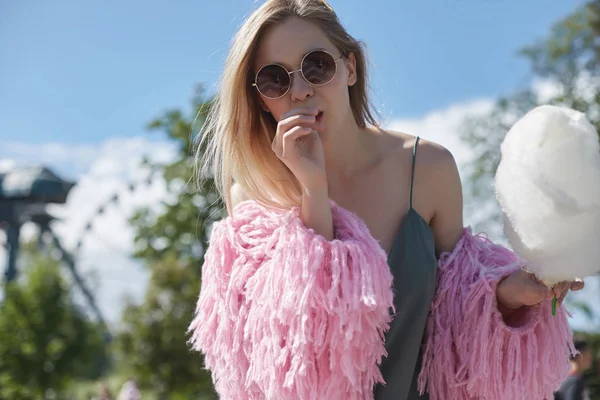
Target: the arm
(472, 349)
(315, 211)
(285, 313)
(447, 220)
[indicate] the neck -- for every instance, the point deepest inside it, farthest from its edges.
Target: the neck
(348, 151)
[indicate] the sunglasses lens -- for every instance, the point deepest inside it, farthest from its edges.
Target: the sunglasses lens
(272, 81)
(318, 67)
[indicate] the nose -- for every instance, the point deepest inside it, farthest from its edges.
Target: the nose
(299, 89)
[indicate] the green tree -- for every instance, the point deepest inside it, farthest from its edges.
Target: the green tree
(183, 226)
(45, 339)
(153, 342)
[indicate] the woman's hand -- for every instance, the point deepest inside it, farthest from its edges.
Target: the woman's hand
(524, 289)
(298, 145)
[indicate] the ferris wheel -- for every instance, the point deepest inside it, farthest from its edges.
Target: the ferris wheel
(27, 193)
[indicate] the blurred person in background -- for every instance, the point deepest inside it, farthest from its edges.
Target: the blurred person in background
(575, 386)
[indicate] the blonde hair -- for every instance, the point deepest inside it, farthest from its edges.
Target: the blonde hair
(237, 134)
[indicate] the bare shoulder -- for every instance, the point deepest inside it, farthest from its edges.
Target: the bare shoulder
(437, 160)
(435, 163)
(237, 194)
(446, 189)
(438, 190)
(442, 175)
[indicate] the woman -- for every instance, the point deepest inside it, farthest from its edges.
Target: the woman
(343, 270)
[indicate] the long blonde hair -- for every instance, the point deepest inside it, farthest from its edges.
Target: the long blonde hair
(236, 137)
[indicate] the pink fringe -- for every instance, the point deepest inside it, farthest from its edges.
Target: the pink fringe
(285, 314)
(471, 352)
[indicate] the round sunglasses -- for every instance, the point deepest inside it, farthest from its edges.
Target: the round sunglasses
(318, 68)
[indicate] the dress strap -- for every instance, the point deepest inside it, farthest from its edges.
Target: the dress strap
(412, 177)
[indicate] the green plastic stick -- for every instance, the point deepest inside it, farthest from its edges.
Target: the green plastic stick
(554, 306)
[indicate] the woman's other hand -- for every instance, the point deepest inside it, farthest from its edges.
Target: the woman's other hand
(522, 289)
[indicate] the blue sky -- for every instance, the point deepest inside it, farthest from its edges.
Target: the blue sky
(81, 71)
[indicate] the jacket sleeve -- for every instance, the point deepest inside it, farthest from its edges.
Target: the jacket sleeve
(471, 352)
(285, 314)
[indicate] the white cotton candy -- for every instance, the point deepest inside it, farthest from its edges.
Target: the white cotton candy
(548, 186)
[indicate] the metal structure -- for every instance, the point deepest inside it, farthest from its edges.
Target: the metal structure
(24, 195)
(114, 200)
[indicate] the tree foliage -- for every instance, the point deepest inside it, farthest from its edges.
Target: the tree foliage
(45, 339)
(183, 226)
(153, 342)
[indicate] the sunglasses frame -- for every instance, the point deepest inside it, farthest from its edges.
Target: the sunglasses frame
(335, 61)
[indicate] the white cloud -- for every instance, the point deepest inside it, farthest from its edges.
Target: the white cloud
(101, 171)
(6, 165)
(546, 90)
(72, 160)
(442, 126)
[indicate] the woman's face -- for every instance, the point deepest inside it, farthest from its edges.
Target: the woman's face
(286, 44)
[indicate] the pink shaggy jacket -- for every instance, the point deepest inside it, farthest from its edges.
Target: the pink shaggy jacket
(285, 314)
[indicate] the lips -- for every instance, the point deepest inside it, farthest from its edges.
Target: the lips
(319, 117)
